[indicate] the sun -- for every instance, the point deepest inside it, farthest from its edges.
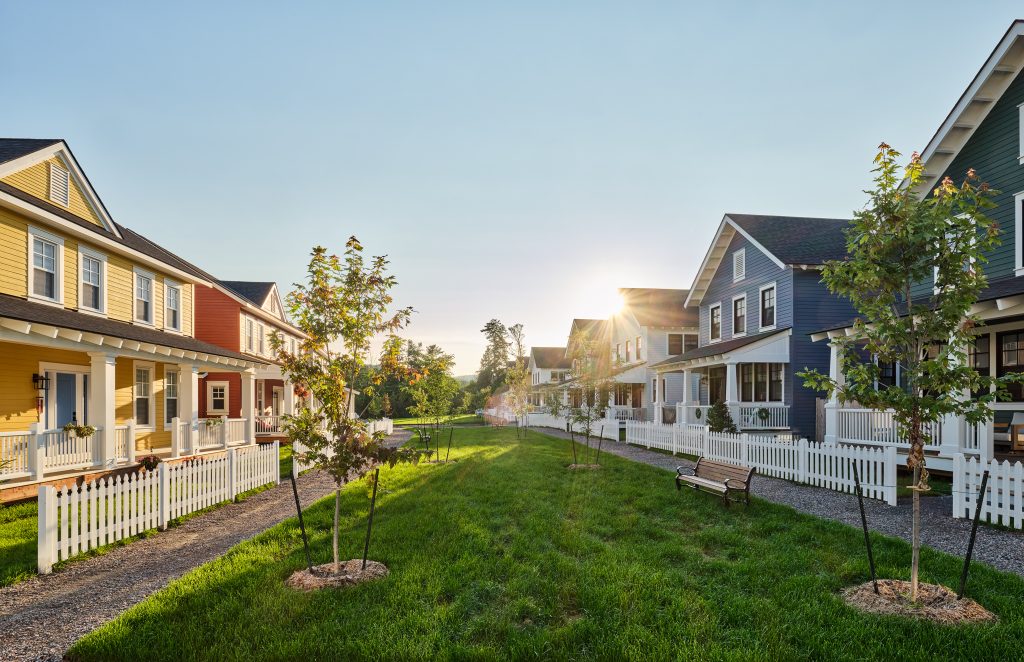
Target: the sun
(614, 303)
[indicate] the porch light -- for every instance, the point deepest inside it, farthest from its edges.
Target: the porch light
(40, 383)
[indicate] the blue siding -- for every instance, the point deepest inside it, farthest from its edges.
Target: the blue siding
(993, 151)
(815, 308)
(760, 270)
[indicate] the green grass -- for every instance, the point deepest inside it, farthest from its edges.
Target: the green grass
(285, 461)
(507, 555)
(461, 419)
(18, 535)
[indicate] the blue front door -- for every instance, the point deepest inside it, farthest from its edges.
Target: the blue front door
(66, 397)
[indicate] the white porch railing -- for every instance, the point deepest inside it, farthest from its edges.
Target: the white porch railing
(761, 415)
(210, 434)
(268, 424)
(877, 427)
(15, 454)
(234, 431)
(67, 451)
(124, 443)
(620, 413)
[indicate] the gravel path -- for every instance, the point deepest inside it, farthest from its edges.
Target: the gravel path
(41, 617)
(1000, 548)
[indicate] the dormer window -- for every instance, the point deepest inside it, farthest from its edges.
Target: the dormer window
(739, 265)
(60, 185)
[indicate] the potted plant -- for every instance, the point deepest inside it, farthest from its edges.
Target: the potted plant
(73, 430)
(149, 462)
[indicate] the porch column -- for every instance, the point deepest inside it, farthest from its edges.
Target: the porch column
(101, 406)
(289, 398)
(684, 415)
(732, 397)
(835, 371)
(249, 405)
(188, 402)
(954, 429)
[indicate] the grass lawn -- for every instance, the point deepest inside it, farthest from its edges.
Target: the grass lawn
(506, 554)
(18, 533)
(461, 419)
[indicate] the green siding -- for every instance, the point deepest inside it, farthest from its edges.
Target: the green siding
(993, 151)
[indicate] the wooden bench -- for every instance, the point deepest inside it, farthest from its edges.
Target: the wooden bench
(717, 477)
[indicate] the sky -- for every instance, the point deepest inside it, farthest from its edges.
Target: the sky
(517, 161)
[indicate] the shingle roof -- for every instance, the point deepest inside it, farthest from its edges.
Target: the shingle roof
(719, 348)
(15, 148)
(254, 291)
(29, 311)
(550, 357)
(795, 239)
(659, 307)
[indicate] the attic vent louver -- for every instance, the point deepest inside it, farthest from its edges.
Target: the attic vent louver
(739, 264)
(60, 185)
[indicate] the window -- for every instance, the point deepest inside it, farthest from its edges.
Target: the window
(675, 344)
(887, 373)
(250, 342)
(172, 307)
(263, 339)
(747, 382)
(1018, 214)
(715, 314)
(93, 281)
(978, 354)
(170, 394)
(639, 348)
(143, 396)
(618, 351)
(775, 382)
(768, 306)
(44, 268)
(760, 382)
(627, 351)
(739, 315)
(739, 265)
(217, 398)
(143, 298)
(1011, 360)
(690, 341)
(60, 185)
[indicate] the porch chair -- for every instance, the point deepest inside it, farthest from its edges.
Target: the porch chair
(1008, 436)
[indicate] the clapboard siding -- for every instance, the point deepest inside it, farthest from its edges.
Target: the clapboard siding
(993, 152)
(760, 270)
(814, 308)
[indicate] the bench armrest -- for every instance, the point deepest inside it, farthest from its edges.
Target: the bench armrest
(681, 469)
(729, 482)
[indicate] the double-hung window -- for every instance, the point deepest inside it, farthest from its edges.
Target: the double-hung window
(768, 306)
(628, 353)
(170, 394)
(739, 315)
(45, 265)
(143, 396)
(690, 341)
(250, 342)
(715, 322)
(675, 344)
(143, 297)
(639, 348)
(93, 280)
(172, 307)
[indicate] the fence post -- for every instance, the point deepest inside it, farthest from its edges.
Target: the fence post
(804, 446)
(164, 494)
(46, 551)
(959, 488)
(744, 449)
(890, 475)
(130, 441)
(277, 459)
(37, 451)
(231, 474)
(705, 431)
(675, 438)
(175, 438)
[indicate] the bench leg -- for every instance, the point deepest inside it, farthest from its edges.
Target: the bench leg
(679, 487)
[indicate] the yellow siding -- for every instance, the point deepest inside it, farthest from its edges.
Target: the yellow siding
(13, 254)
(120, 291)
(71, 274)
(35, 180)
(186, 310)
(17, 396)
(145, 441)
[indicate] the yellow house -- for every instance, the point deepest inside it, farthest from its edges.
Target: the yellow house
(97, 328)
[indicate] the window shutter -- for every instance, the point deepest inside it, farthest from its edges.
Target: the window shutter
(60, 185)
(739, 264)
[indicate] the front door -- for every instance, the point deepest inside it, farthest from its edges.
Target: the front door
(716, 384)
(66, 396)
(67, 399)
(276, 401)
(636, 395)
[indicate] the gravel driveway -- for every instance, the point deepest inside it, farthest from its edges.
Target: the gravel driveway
(41, 617)
(1000, 548)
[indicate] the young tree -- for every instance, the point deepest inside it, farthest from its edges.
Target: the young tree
(494, 362)
(898, 241)
(591, 375)
(342, 307)
(434, 394)
(518, 376)
(720, 419)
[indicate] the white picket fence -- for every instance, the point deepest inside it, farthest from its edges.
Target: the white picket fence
(1003, 502)
(75, 519)
(602, 427)
(824, 465)
(383, 424)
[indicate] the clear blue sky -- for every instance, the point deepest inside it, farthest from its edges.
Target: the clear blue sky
(517, 162)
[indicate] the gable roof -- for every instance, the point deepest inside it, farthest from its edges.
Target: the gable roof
(988, 85)
(15, 148)
(255, 291)
(590, 328)
(659, 307)
(715, 349)
(785, 240)
(550, 358)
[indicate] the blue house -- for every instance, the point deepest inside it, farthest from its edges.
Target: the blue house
(760, 297)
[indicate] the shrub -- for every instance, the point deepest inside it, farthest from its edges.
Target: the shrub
(720, 420)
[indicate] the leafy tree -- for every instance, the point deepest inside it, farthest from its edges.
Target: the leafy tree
(435, 395)
(518, 376)
(900, 239)
(494, 362)
(591, 375)
(720, 419)
(342, 306)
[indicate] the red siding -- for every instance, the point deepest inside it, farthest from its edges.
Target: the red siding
(217, 318)
(234, 381)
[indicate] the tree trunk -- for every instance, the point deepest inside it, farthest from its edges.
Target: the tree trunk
(337, 517)
(915, 537)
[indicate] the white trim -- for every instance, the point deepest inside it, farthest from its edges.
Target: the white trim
(136, 272)
(58, 258)
(151, 366)
(170, 368)
(1018, 238)
(740, 253)
(746, 315)
(721, 323)
(173, 285)
(760, 306)
(45, 418)
(209, 397)
(756, 244)
(83, 253)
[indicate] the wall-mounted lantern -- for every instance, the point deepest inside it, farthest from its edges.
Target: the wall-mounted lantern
(40, 383)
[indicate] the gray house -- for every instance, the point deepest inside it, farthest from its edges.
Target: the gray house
(760, 295)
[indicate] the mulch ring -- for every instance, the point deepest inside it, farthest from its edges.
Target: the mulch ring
(323, 576)
(584, 466)
(935, 603)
